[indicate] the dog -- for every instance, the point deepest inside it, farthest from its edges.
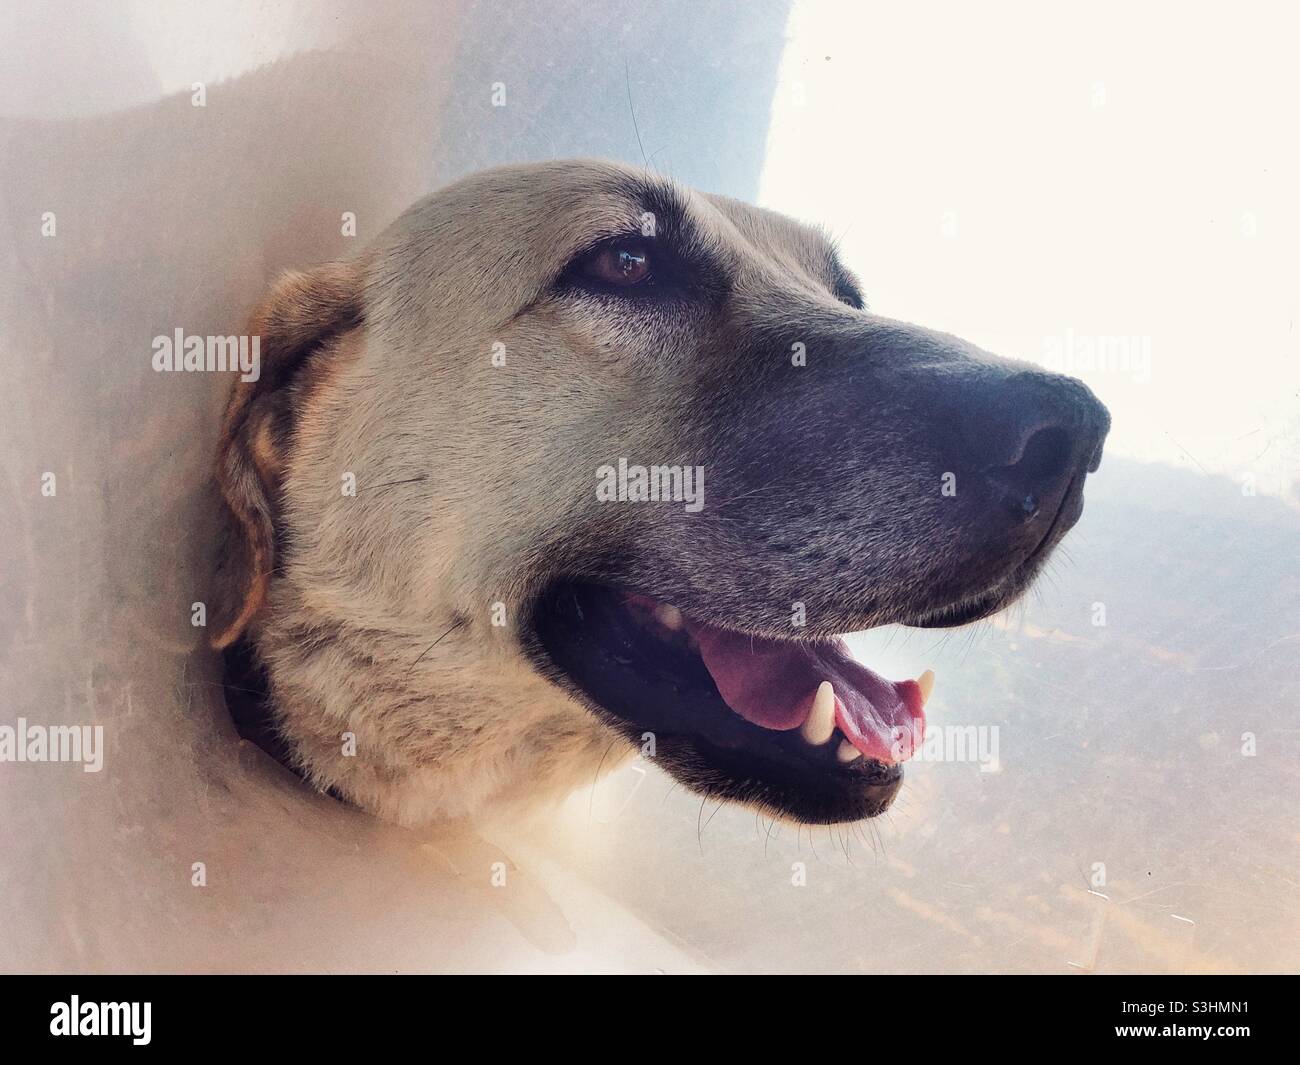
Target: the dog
(574, 462)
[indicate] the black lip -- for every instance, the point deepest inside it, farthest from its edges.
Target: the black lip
(585, 639)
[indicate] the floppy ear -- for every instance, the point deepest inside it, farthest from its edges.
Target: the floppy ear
(300, 314)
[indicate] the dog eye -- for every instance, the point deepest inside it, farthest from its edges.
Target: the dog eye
(621, 264)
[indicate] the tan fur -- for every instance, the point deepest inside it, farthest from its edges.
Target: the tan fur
(300, 312)
(373, 614)
(345, 631)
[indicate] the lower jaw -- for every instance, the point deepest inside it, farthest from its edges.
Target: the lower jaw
(865, 792)
(593, 647)
(951, 617)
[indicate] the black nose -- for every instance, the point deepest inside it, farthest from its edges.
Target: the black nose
(1031, 435)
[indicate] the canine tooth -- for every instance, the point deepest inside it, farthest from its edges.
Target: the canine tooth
(926, 683)
(819, 725)
(668, 616)
(847, 752)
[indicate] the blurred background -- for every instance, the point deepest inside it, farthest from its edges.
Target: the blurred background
(1110, 193)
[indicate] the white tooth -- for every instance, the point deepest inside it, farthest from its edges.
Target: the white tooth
(926, 683)
(669, 616)
(819, 725)
(847, 752)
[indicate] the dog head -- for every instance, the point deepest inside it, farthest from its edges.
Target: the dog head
(575, 458)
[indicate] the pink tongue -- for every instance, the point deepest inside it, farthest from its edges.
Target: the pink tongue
(771, 683)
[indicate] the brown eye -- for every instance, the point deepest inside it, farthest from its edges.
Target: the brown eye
(623, 264)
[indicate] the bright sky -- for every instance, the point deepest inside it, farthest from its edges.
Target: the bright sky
(1046, 183)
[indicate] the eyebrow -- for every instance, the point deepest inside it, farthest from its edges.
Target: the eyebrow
(664, 202)
(844, 285)
(675, 225)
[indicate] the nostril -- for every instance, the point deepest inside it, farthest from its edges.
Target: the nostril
(1037, 471)
(1042, 461)
(1028, 435)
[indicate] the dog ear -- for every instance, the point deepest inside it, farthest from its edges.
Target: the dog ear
(302, 312)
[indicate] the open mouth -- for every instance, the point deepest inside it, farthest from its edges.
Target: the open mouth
(795, 726)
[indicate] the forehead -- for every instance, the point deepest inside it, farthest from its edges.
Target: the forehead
(779, 237)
